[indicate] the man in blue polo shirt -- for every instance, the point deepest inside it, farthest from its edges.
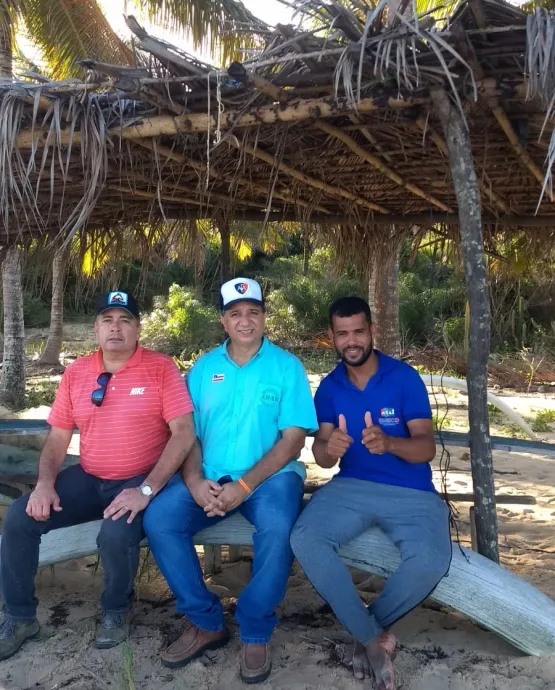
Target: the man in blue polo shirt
(375, 420)
(253, 409)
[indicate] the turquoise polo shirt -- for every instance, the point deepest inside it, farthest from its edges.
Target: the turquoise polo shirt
(240, 412)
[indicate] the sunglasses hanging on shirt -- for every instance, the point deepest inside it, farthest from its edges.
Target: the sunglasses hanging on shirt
(97, 396)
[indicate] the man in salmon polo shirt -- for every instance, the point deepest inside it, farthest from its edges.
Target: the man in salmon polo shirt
(133, 412)
(253, 409)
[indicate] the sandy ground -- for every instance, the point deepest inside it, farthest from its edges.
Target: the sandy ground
(439, 649)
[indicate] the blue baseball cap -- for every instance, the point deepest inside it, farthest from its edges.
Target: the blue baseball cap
(118, 299)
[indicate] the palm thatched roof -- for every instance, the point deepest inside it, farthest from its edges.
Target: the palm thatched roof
(334, 123)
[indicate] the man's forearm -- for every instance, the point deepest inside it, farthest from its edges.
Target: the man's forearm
(191, 470)
(52, 456)
(274, 460)
(320, 452)
(173, 455)
(416, 449)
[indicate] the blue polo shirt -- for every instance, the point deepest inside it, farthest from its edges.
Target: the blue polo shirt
(240, 412)
(394, 396)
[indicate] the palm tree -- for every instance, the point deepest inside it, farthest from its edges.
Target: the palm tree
(12, 382)
(68, 31)
(72, 30)
(51, 353)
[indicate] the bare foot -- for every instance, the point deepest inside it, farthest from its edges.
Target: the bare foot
(361, 663)
(380, 654)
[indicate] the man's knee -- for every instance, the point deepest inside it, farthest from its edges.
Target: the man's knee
(303, 540)
(17, 521)
(430, 566)
(118, 534)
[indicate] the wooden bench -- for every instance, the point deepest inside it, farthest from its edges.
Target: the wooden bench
(487, 593)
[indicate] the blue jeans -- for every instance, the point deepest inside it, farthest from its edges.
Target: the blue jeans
(172, 520)
(416, 521)
(83, 499)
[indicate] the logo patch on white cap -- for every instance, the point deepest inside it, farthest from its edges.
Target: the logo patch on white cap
(242, 288)
(237, 289)
(118, 298)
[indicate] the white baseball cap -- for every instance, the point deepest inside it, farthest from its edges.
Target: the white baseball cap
(240, 289)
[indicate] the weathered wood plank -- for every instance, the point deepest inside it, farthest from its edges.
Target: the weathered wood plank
(20, 461)
(480, 589)
(212, 559)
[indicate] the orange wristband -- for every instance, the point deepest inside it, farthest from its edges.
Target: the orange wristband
(244, 484)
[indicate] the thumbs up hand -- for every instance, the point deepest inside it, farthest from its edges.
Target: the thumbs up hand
(373, 437)
(339, 442)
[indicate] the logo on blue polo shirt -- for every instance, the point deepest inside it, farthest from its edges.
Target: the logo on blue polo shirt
(270, 396)
(387, 417)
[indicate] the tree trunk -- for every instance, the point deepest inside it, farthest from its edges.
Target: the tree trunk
(225, 257)
(12, 381)
(384, 294)
(472, 244)
(306, 249)
(51, 354)
(6, 58)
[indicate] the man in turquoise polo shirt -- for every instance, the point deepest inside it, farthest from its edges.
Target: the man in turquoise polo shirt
(253, 409)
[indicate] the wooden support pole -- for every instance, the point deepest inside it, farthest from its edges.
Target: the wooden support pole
(234, 553)
(297, 111)
(376, 163)
(470, 226)
(306, 179)
(212, 559)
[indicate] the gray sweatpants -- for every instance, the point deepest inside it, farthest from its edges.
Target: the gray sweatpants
(416, 521)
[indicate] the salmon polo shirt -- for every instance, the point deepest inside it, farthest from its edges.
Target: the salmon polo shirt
(126, 435)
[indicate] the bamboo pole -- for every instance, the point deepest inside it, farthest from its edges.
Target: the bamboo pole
(214, 172)
(470, 227)
(303, 177)
(168, 125)
(376, 163)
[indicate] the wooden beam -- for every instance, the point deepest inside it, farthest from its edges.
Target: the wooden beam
(303, 177)
(485, 592)
(376, 163)
(472, 244)
(426, 219)
(230, 179)
(166, 125)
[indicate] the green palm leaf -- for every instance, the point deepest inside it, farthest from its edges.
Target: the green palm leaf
(72, 30)
(223, 26)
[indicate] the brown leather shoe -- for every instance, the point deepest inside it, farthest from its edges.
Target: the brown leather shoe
(256, 664)
(192, 644)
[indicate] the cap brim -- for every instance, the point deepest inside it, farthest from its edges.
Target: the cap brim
(116, 306)
(243, 299)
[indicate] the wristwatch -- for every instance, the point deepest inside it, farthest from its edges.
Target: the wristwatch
(146, 490)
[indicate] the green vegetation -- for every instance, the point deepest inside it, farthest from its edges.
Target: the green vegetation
(181, 325)
(543, 421)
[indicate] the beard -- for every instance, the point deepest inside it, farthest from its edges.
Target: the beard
(359, 359)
